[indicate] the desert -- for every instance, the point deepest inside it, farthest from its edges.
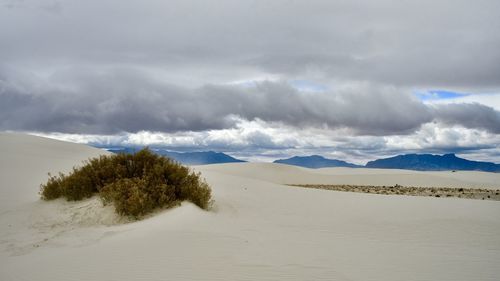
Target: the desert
(250, 140)
(259, 228)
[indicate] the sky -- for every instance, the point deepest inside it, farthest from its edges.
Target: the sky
(353, 80)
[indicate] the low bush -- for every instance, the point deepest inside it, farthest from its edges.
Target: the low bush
(136, 184)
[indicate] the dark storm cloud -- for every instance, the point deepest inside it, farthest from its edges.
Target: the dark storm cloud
(124, 101)
(448, 43)
(469, 115)
(123, 66)
(77, 101)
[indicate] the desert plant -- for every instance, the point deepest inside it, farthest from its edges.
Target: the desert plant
(136, 184)
(52, 189)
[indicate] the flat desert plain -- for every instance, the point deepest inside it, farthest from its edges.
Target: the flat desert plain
(259, 228)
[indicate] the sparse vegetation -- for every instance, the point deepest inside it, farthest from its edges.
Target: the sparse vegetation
(136, 184)
(467, 193)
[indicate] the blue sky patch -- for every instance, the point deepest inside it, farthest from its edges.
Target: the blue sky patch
(438, 95)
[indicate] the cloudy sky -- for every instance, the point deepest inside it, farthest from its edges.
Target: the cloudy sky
(353, 80)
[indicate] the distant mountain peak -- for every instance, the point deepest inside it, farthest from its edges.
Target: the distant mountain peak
(308, 157)
(187, 158)
(314, 162)
(200, 157)
(314, 156)
(431, 162)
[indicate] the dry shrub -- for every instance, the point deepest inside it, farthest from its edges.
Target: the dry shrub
(136, 184)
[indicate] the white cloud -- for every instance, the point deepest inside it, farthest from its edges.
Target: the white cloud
(440, 137)
(261, 141)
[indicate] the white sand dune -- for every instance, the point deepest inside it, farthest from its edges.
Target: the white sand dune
(26, 160)
(285, 174)
(259, 230)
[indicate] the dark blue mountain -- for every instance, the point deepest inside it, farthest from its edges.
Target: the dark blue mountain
(199, 158)
(187, 158)
(430, 162)
(128, 150)
(315, 161)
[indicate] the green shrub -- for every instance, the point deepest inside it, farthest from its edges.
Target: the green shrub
(135, 184)
(52, 189)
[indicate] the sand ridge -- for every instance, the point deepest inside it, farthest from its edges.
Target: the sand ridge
(286, 174)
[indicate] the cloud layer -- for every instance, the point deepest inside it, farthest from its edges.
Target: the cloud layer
(345, 72)
(129, 101)
(452, 43)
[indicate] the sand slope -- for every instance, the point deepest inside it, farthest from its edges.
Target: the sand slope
(286, 174)
(259, 230)
(26, 160)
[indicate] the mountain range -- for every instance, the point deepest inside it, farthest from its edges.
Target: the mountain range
(186, 158)
(315, 161)
(420, 162)
(430, 162)
(199, 158)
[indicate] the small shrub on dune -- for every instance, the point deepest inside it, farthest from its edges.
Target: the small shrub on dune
(135, 184)
(196, 191)
(52, 189)
(136, 197)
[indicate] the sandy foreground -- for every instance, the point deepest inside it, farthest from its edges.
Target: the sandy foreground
(260, 229)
